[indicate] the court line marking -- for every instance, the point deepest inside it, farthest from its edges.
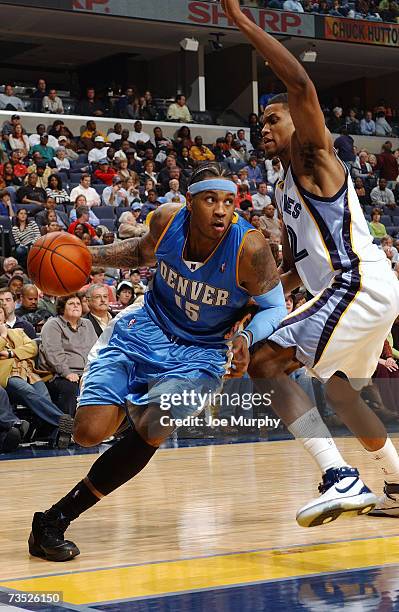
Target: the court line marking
(288, 549)
(243, 584)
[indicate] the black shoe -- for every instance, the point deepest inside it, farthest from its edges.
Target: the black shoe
(23, 427)
(46, 539)
(11, 441)
(65, 430)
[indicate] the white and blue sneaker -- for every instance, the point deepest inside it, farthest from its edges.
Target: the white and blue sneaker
(342, 492)
(388, 505)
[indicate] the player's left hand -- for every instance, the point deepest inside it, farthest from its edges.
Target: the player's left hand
(240, 360)
(231, 8)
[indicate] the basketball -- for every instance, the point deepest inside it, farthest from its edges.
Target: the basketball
(59, 264)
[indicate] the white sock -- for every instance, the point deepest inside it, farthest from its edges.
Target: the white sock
(315, 437)
(387, 459)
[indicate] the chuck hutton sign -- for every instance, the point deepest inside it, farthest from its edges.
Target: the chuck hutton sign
(368, 32)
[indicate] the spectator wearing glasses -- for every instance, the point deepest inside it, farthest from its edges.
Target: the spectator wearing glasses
(98, 300)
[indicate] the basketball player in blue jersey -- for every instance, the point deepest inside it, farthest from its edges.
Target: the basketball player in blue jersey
(328, 248)
(210, 261)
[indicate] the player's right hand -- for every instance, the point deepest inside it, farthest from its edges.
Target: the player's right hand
(240, 358)
(391, 364)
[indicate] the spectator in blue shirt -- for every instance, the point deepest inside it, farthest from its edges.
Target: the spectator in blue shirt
(254, 173)
(6, 209)
(367, 125)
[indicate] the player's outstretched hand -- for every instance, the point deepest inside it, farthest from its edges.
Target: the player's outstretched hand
(231, 9)
(241, 357)
(391, 364)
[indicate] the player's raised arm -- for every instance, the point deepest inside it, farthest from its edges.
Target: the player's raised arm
(305, 109)
(135, 252)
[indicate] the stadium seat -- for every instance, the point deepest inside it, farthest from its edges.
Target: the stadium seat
(119, 210)
(104, 212)
(99, 188)
(395, 212)
(109, 223)
(392, 230)
(368, 209)
(28, 207)
(386, 220)
(75, 177)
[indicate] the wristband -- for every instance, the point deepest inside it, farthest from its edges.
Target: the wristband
(247, 335)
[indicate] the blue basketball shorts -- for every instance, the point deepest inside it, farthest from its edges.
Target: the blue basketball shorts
(135, 362)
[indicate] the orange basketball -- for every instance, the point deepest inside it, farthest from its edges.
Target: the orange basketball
(59, 263)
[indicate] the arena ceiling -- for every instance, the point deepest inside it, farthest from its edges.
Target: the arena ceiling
(33, 38)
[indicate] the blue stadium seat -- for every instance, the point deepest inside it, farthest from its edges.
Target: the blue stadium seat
(28, 207)
(104, 212)
(99, 188)
(6, 223)
(368, 217)
(72, 186)
(395, 212)
(392, 230)
(110, 223)
(119, 210)
(367, 209)
(386, 220)
(75, 177)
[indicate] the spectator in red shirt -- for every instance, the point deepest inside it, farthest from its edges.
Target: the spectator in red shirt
(243, 196)
(82, 218)
(20, 170)
(387, 165)
(104, 172)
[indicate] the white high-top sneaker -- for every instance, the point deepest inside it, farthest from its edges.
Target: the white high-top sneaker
(388, 505)
(342, 492)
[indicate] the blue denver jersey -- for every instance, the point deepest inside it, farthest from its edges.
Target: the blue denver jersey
(198, 306)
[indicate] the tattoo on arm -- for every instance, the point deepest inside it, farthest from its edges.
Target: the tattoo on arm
(125, 254)
(264, 268)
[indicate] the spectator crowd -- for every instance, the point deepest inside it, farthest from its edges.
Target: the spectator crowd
(101, 187)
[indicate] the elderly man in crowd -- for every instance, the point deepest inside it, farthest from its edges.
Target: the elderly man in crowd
(67, 340)
(98, 300)
(9, 265)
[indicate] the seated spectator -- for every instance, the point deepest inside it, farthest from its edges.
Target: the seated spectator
(44, 149)
(66, 342)
(133, 191)
(9, 266)
(336, 121)
(6, 207)
(42, 217)
(52, 103)
(352, 123)
(199, 152)
(237, 153)
(98, 298)
(382, 127)
(344, 145)
(15, 285)
(91, 195)
(12, 430)
(362, 194)
(255, 130)
(23, 383)
(81, 201)
(149, 171)
(183, 138)
(124, 297)
(243, 177)
(254, 173)
(56, 191)
(19, 141)
(115, 195)
(220, 152)
(293, 6)
(99, 151)
(61, 161)
(361, 167)
(29, 309)
(260, 199)
(174, 193)
(124, 173)
(388, 165)
(390, 251)
(34, 139)
(179, 111)
(244, 142)
(82, 218)
(42, 171)
(10, 102)
(8, 301)
(382, 196)
(159, 141)
(137, 281)
(146, 108)
(41, 90)
(105, 173)
(90, 106)
(128, 225)
(149, 205)
(19, 168)
(97, 276)
(9, 179)
(377, 229)
(115, 134)
(83, 234)
(174, 173)
(367, 125)
(25, 232)
(8, 127)
(138, 137)
(270, 225)
(31, 194)
(243, 199)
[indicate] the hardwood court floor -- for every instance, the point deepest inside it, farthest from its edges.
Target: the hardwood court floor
(196, 518)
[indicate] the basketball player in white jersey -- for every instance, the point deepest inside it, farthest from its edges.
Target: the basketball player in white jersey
(339, 334)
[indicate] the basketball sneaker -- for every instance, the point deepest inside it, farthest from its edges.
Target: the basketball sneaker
(388, 505)
(342, 492)
(47, 541)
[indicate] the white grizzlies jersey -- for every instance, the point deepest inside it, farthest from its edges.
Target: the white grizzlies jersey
(329, 237)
